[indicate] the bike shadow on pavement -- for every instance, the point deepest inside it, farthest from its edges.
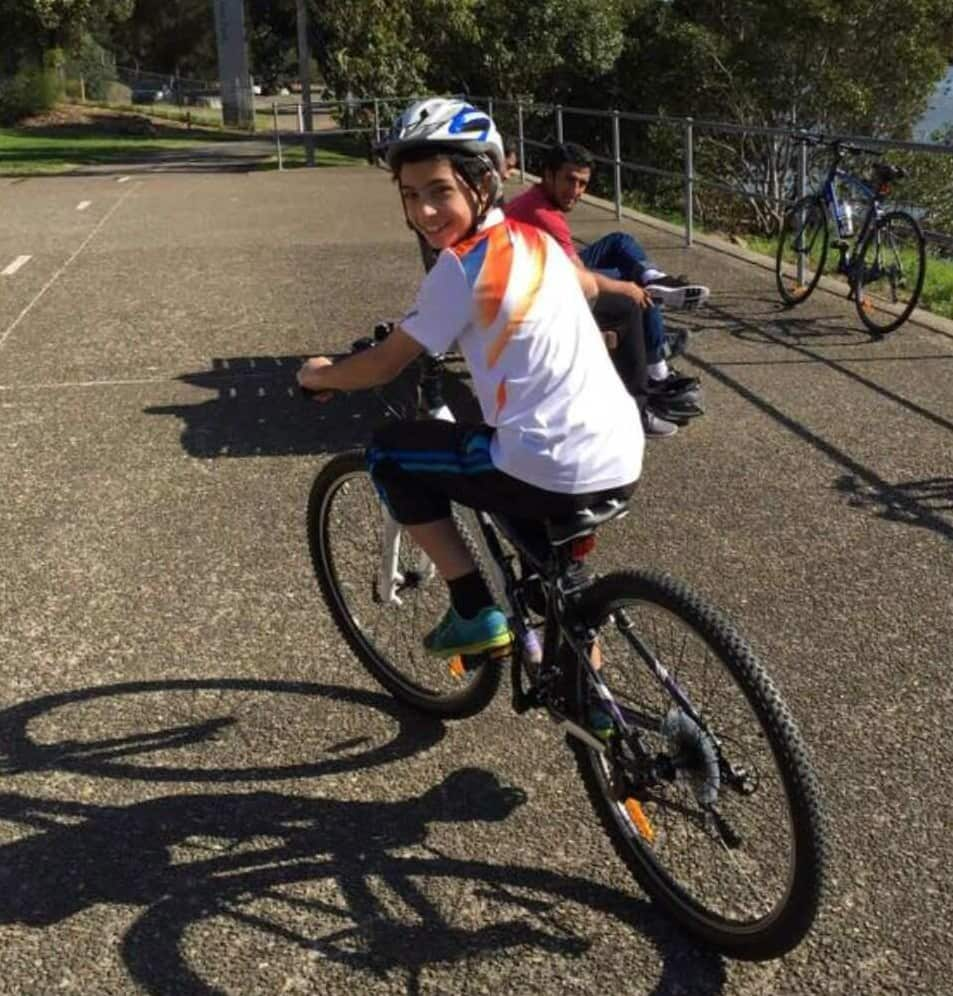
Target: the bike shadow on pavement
(259, 410)
(242, 873)
(218, 715)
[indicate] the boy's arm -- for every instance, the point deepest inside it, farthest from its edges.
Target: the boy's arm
(368, 368)
(587, 280)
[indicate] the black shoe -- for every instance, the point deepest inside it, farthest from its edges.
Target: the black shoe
(674, 384)
(680, 411)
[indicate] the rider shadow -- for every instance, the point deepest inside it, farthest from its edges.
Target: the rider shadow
(259, 410)
(134, 755)
(266, 862)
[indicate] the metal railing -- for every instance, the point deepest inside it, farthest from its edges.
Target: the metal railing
(689, 127)
(686, 175)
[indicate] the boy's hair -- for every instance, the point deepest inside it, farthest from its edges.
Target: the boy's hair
(567, 152)
(471, 167)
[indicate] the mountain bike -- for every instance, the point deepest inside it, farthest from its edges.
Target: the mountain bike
(884, 259)
(700, 778)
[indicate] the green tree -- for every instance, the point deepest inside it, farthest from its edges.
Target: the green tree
(836, 66)
(31, 27)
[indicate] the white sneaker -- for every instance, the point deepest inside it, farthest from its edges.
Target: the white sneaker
(677, 292)
(656, 427)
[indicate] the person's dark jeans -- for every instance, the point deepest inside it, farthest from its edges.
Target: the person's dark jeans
(619, 256)
(620, 314)
(617, 251)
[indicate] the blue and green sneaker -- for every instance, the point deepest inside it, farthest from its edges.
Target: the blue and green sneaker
(487, 630)
(600, 722)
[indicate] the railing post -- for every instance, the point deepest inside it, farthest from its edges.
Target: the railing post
(274, 112)
(377, 121)
(519, 133)
(801, 192)
(617, 164)
(300, 119)
(559, 123)
(802, 170)
(489, 106)
(689, 166)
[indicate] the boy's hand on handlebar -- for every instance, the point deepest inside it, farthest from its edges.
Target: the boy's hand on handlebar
(311, 378)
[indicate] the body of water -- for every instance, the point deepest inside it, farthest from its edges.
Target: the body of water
(939, 112)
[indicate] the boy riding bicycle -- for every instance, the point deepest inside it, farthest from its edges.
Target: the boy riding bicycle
(560, 431)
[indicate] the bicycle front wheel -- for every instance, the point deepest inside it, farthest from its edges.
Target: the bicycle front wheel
(802, 250)
(889, 272)
(384, 594)
(718, 819)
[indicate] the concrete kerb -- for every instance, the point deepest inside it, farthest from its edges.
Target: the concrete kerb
(919, 317)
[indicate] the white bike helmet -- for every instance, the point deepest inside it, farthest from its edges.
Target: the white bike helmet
(448, 124)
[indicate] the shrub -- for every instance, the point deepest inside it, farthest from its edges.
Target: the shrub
(30, 91)
(118, 93)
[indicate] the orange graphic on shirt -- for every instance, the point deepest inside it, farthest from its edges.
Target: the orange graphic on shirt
(536, 246)
(500, 396)
(494, 276)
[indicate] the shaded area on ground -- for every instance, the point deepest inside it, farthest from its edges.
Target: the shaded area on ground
(259, 410)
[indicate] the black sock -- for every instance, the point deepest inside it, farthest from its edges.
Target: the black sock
(469, 594)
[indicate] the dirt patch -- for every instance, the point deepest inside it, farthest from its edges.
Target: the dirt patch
(67, 117)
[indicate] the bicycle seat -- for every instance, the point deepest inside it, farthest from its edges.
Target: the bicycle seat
(585, 521)
(886, 172)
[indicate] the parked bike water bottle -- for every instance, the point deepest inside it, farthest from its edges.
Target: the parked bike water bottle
(845, 219)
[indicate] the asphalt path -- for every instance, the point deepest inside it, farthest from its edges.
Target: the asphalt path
(201, 792)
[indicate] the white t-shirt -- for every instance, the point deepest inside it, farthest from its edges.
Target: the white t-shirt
(510, 298)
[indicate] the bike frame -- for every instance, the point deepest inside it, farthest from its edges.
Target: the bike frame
(562, 626)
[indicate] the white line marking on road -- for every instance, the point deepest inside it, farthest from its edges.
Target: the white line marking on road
(102, 221)
(83, 205)
(15, 265)
(122, 179)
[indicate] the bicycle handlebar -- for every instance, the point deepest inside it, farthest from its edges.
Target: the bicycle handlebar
(381, 331)
(837, 144)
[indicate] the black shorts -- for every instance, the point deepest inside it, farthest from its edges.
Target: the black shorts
(420, 467)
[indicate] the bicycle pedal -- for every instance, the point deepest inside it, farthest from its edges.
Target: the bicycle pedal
(461, 664)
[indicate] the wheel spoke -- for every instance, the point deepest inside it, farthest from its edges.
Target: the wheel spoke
(346, 533)
(722, 855)
(889, 274)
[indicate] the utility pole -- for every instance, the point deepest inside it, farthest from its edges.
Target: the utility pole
(238, 106)
(304, 74)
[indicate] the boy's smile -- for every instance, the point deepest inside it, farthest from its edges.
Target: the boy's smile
(440, 205)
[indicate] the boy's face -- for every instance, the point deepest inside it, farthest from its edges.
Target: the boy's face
(440, 205)
(566, 185)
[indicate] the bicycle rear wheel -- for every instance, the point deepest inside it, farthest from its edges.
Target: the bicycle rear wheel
(889, 272)
(802, 250)
(719, 822)
(346, 537)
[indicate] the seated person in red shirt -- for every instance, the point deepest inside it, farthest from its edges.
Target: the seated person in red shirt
(567, 169)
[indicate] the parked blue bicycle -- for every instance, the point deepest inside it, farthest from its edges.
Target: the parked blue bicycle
(883, 258)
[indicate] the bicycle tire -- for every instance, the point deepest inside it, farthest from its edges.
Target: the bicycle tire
(790, 242)
(864, 269)
(776, 928)
(431, 689)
